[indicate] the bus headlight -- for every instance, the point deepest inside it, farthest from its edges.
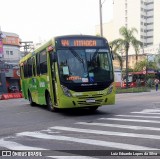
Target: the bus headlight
(66, 91)
(110, 89)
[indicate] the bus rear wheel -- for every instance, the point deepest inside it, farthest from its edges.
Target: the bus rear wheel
(50, 106)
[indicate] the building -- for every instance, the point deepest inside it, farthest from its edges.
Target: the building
(140, 14)
(108, 30)
(9, 58)
(131, 61)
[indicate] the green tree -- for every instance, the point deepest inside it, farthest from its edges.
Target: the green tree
(140, 65)
(145, 64)
(128, 39)
(157, 60)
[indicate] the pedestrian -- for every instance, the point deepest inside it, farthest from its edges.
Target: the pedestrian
(156, 81)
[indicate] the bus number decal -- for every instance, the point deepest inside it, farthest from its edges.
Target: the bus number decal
(102, 92)
(64, 42)
(71, 78)
(42, 84)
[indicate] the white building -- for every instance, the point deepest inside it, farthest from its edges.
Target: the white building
(143, 15)
(9, 59)
(11, 48)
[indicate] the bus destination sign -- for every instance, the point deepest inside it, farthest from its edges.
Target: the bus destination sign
(81, 42)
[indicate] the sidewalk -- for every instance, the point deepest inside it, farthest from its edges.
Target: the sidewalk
(151, 92)
(6, 96)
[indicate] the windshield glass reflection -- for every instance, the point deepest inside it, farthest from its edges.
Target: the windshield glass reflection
(84, 65)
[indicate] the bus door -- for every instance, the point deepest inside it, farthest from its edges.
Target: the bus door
(53, 76)
(34, 81)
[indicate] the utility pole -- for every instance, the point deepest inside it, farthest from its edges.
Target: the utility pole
(27, 46)
(100, 14)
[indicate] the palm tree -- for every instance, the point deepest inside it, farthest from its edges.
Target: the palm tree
(117, 56)
(137, 45)
(145, 63)
(128, 39)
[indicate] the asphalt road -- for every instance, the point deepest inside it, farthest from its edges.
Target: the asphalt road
(133, 123)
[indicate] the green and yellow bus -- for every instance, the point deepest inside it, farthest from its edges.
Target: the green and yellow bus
(69, 72)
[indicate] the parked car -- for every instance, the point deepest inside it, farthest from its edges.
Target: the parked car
(13, 89)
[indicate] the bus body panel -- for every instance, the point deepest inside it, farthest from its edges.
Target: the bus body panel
(39, 85)
(86, 99)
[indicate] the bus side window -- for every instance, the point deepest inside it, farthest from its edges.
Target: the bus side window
(134, 78)
(38, 64)
(43, 62)
(33, 66)
(21, 72)
(25, 69)
(29, 67)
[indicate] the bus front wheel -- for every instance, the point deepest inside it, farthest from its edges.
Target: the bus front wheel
(30, 99)
(49, 103)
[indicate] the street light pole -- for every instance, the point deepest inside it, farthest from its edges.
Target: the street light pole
(100, 14)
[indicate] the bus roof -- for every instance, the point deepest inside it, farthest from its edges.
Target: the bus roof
(25, 57)
(79, 36)
(45, 45)
(42, 47)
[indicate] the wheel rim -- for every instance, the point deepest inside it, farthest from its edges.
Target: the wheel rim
(30, 99)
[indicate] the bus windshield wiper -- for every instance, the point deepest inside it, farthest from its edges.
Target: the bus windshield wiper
(76, 55)
(95, 54)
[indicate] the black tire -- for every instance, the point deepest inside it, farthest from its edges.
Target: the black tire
(94, 108)
(50, 106)
(30, 99)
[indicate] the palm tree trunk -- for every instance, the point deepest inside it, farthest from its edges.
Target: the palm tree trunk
(136, 57)
(127, 67)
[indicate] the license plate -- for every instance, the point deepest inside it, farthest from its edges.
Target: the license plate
(90, 101)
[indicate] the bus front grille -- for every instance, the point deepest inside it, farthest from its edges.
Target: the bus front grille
(85, 103)
(90, 100)
(90, 96)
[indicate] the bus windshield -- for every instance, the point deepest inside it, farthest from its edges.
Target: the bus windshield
(84, 65)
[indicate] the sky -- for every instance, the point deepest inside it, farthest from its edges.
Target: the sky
(40, 20)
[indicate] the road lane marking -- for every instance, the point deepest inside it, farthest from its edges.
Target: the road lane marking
(149, 111)
(86, 141)
(133, 120)
(146, 113)
(140, 116)
(111, 133)
(16, 146)
(120, 126)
